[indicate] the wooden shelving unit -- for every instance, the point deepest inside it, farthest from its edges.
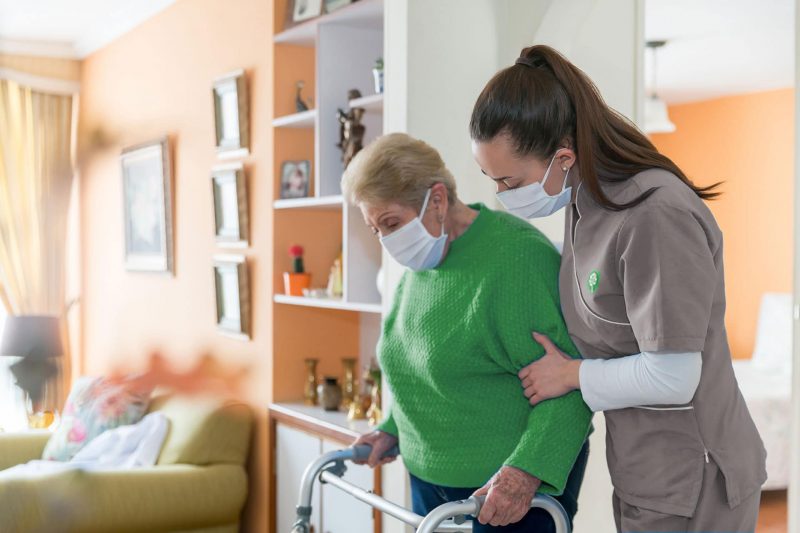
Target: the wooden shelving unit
(306, 119)
(331, 54)
(364, 13)
(324, 202)
(328, 303)
(372, 103)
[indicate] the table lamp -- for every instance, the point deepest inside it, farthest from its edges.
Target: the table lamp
(37, 340)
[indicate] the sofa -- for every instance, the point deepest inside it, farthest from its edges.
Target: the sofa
(199, 483)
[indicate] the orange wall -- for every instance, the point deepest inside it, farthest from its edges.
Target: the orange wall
(747, 141)
(156, 80)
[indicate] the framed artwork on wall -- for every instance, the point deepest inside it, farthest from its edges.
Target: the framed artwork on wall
(229, 191)
(232, 292)
(231, 115)
(147, 206)
(295, 177)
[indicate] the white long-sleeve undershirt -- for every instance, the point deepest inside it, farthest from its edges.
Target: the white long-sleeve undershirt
(645, 379)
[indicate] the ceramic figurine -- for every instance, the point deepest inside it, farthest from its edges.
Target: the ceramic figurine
(299, 104)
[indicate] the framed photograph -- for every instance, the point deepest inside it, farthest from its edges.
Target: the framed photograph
(232, 289)
(303, 10)
(295, 176)
(229, 191)
(231, 115)
(147, 206)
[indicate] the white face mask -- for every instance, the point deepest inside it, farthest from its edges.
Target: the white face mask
(532, 201)
(413, 247)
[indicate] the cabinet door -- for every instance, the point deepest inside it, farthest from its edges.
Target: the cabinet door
(294, 450)
(341, 513)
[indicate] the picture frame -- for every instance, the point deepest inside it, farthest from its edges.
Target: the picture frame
(303, 10)
(229, 194)
(232, 295)
(333, 5)
(295, 179)
(231, 115)
(147, 206)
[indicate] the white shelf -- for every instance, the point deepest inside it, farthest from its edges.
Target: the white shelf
(364, 14)
(373, 102)
(324, 202)
(306, 119)
(328, 303)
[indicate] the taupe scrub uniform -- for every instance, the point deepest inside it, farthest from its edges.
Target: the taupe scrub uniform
(650, 278)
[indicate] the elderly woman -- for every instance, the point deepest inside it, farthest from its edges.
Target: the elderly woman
(455, 339)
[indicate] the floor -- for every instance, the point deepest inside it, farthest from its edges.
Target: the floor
(773, 515)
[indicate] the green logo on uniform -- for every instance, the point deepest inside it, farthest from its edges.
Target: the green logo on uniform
(594, 280)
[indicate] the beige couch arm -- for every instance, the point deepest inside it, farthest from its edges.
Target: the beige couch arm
(17, 448)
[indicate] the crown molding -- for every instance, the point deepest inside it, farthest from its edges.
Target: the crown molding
(38, 48)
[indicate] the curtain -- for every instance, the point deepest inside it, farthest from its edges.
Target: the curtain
(36, 175)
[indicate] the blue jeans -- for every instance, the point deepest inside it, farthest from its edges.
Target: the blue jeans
(425, 497)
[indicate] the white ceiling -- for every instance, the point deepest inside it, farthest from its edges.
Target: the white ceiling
(719, 47)
(69, 28)
(715, 47)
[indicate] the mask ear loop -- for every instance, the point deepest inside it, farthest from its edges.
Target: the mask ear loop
(425, 206)
(547, 174)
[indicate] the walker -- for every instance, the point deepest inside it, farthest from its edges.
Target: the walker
(448, 517)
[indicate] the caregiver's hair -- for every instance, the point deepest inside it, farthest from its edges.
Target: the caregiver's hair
(396, 168)
(544, 101)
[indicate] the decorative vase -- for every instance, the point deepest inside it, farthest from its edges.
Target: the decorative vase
(330, 394)
(293, 283)
(310, 389)
(349, 385)
(375, 413)
(357, 411)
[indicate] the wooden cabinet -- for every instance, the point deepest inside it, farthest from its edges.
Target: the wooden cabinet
(294, 450)
(333, 511)
(342, 513)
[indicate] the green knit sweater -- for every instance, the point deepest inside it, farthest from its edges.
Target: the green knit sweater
(451, 347)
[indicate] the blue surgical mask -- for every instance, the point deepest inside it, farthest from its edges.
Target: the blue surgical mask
(532, 201)
(413, 247)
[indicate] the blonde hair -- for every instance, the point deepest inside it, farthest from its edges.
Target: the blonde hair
(396, 168)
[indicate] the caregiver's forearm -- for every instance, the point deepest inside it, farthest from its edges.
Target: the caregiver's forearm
(643, 379)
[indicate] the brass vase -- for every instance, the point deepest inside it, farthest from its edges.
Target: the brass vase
(349, 384)
(310, 389)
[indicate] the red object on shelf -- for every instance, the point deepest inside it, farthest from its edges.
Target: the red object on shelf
(293, 284)
(295, 250)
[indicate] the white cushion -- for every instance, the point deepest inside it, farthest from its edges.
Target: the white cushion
(773, 348)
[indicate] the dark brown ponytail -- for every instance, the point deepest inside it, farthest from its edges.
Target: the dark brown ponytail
(544, 99)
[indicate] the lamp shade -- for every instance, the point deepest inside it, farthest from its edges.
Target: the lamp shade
(656, 117)
(30, 336)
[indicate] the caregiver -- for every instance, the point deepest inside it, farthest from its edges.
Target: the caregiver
(642, 293)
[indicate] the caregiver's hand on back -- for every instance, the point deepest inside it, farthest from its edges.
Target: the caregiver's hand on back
(508, 496)
(552, 375)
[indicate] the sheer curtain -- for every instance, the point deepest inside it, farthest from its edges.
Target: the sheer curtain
(36, 174)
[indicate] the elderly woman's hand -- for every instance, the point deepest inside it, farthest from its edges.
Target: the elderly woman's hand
(553, 375)
(381, 443)
(508, 496)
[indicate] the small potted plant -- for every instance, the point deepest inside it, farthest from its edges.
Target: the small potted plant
(294, 282)
(377, 73)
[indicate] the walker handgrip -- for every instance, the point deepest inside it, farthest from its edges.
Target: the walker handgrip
(362, 451)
